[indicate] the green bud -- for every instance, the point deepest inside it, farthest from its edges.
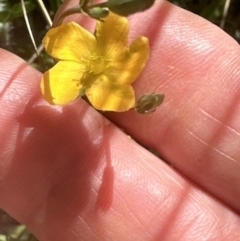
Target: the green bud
(98, 12)
(127, 7)
(148, 103)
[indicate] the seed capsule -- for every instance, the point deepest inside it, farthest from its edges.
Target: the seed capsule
(148, 103)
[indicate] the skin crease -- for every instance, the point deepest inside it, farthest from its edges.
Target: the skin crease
(70, 174)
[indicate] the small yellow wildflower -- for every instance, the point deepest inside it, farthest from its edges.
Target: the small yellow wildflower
(101, 66)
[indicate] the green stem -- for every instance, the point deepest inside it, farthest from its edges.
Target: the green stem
(67, 13)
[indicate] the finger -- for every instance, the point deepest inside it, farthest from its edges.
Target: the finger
(45, 232)
(70, 175)
(196, 66)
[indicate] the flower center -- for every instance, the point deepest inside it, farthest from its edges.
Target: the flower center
(96, 64)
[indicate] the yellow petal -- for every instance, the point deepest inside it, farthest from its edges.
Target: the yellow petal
(61, 84)
(139, 54)
(112, 35)
(107, 96)
(69, 41)
(127, 68)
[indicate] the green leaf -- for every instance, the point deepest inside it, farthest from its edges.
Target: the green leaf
(11, 12)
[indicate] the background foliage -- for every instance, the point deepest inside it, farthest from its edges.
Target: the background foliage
(15, 38)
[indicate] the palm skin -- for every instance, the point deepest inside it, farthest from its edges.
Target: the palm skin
(70, 174)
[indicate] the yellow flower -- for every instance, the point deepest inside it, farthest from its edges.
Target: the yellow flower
(101, 66)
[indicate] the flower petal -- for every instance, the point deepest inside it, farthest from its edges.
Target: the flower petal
(129, 66)
(112, 35)
(107, 96)
(69, 41)
(61, 84)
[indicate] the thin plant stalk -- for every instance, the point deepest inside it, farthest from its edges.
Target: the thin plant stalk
(45, 12)
(225, 12)
(49, 21)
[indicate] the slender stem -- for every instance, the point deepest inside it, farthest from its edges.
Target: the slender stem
(68, 12)
(30, 32)
(45, 12)
(225, 12)
(34, 56)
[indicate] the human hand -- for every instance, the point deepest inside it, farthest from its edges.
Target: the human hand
(69, 174)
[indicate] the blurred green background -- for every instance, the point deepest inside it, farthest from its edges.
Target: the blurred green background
(15, 38)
